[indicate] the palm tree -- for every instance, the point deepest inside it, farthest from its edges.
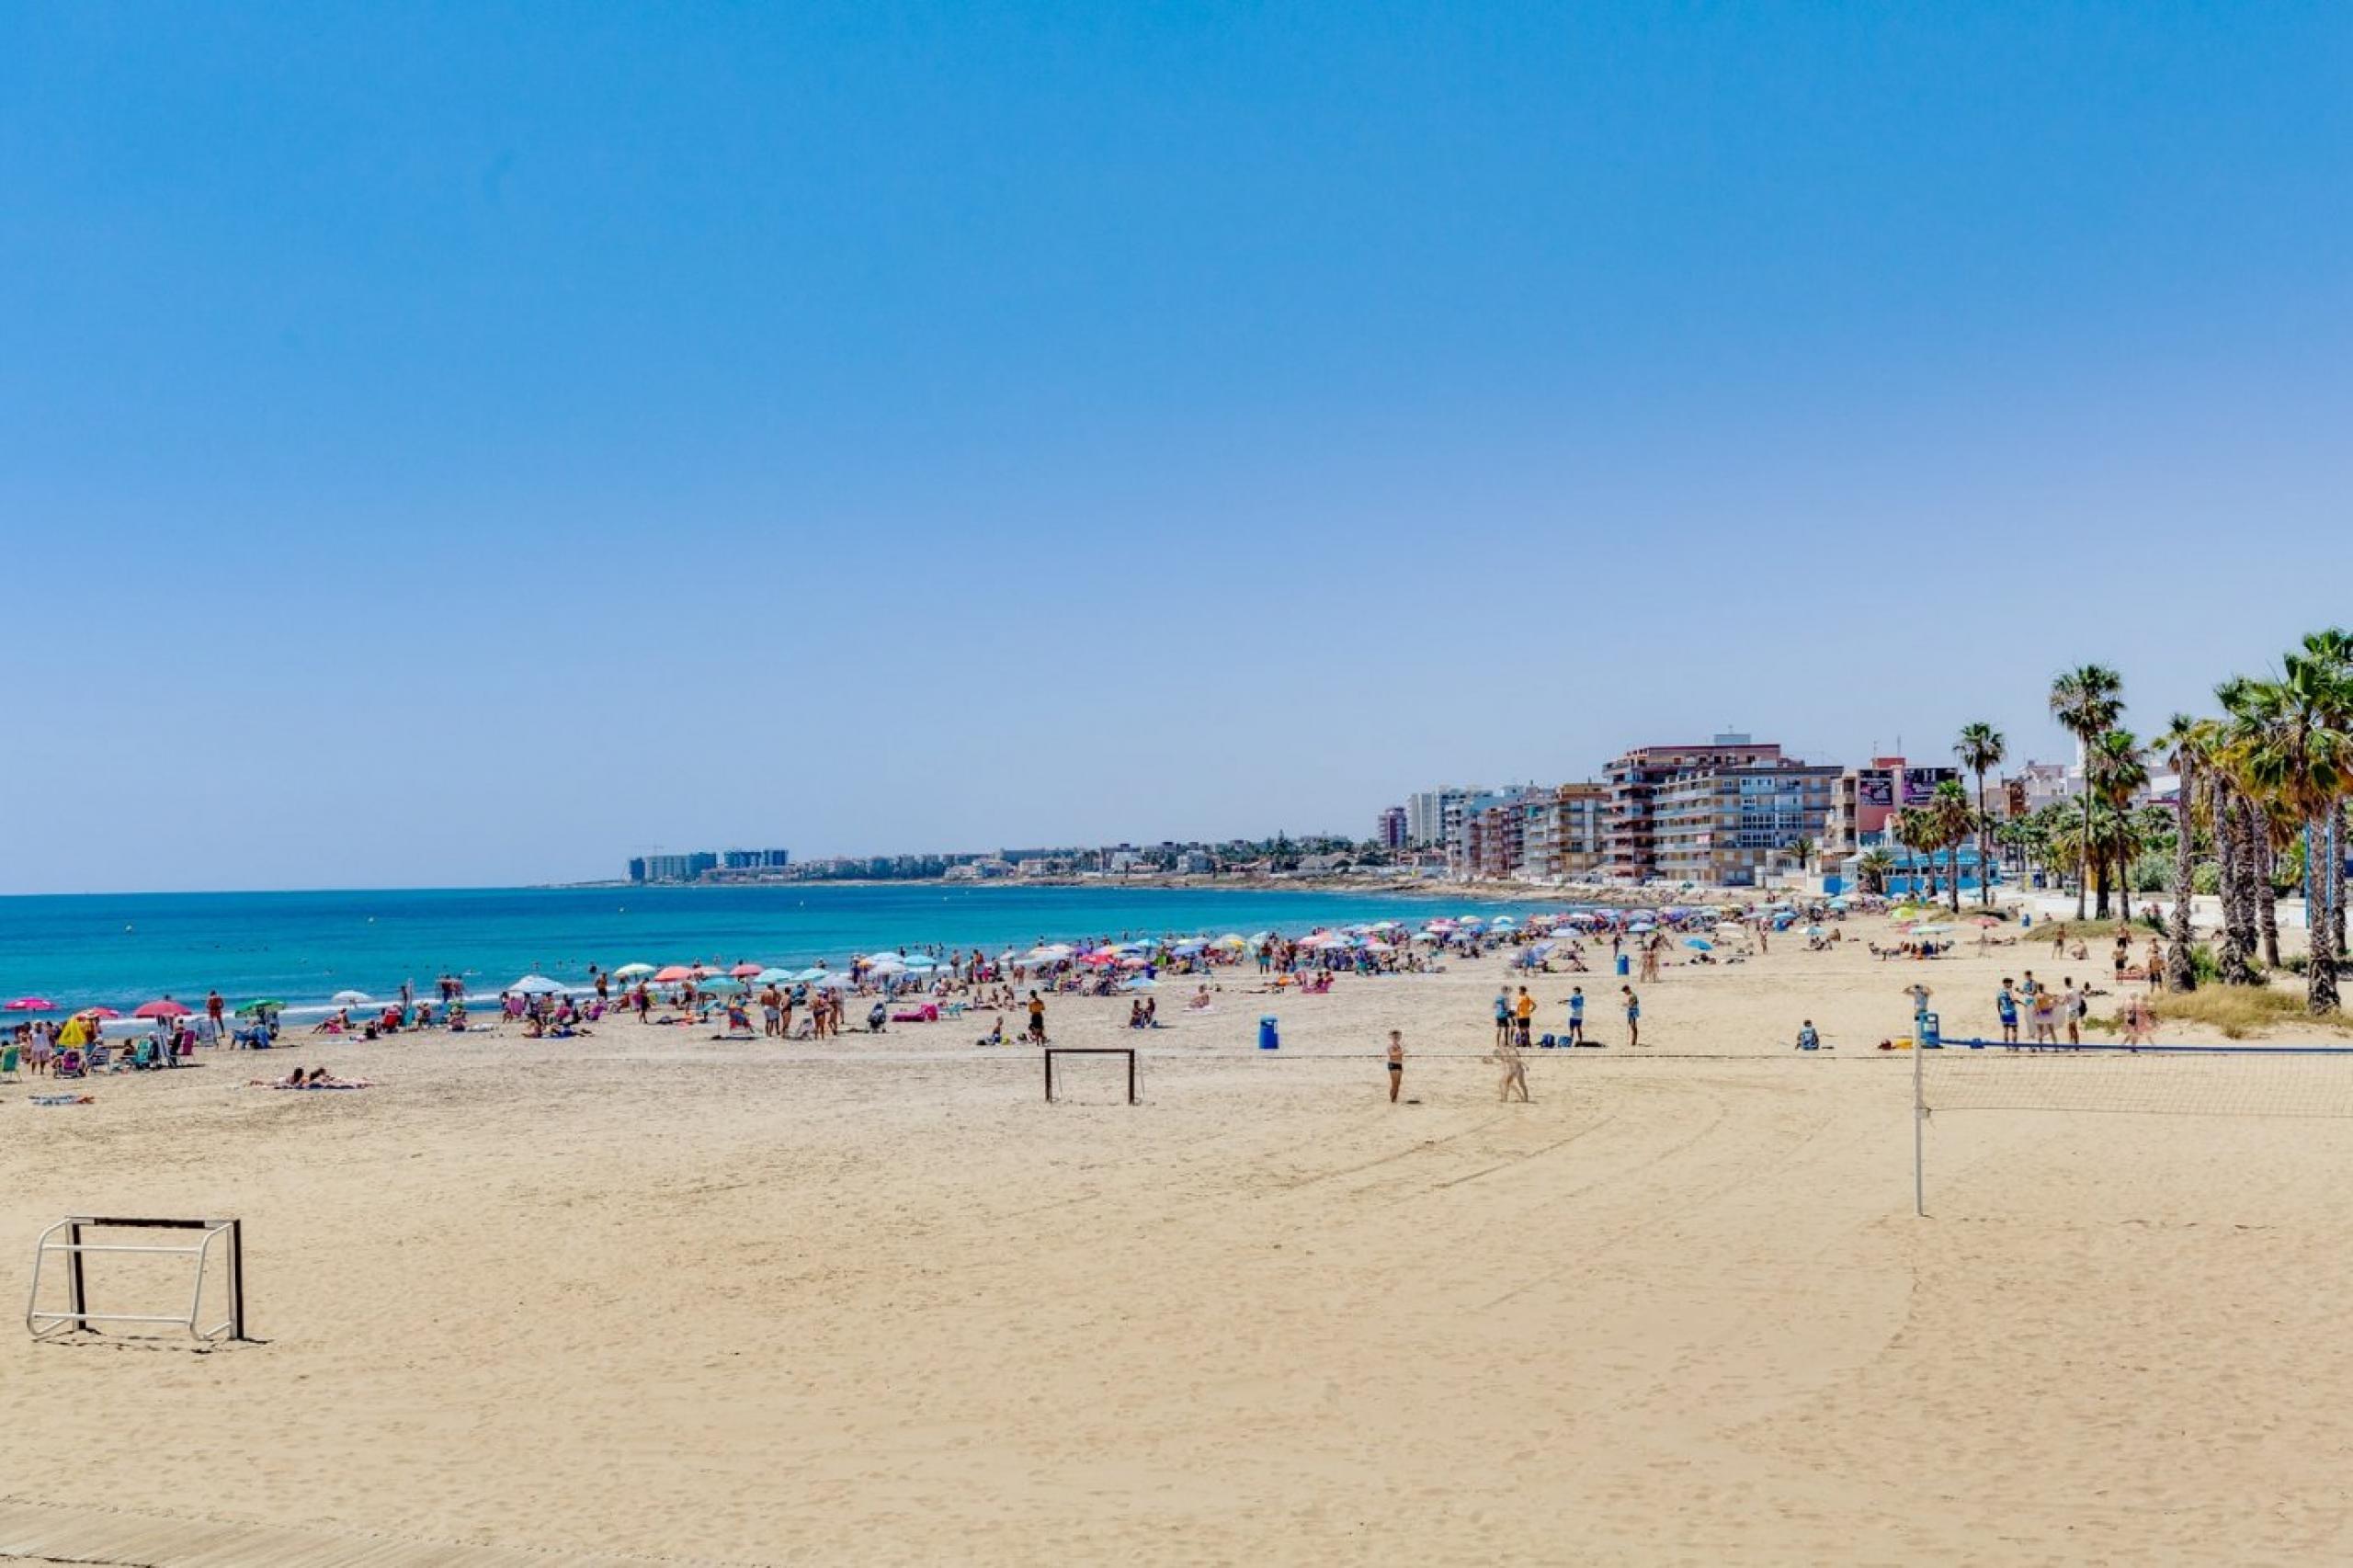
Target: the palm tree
(2114, 768)
(2086, 700)
(1910, 827)
(1981, 749)
(2333, 649)
(2301, 754)
(2237, 839)
(2186, 743)
(1873, 866)
(1952, 821)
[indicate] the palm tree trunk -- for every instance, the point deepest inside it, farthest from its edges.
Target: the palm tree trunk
(1984, 846)
(2266, 897)
(1953, 871)
(2123, 882)
(2180, 974)
(2084, 864)
(2337, 879)
(2238, 917)
(2320, 967)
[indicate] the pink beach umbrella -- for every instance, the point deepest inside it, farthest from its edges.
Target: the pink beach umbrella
(161, 1007)
(29, 1005)
(744, 970)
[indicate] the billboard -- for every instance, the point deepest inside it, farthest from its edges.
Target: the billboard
(1920, 784)
(1875, 786)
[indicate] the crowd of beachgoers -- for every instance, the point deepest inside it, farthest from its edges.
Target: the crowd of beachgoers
(918, 984)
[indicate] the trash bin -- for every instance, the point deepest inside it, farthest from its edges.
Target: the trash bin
(1269, 1038)
(1931, 1032)
(1625, 964)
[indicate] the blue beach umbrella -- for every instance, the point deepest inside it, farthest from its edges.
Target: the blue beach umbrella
(1701, 943)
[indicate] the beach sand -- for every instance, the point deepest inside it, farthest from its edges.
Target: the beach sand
(656, 1297)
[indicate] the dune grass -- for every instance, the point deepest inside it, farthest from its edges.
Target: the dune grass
(2237, 1012)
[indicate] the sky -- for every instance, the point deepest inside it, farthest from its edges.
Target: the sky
(470, 443)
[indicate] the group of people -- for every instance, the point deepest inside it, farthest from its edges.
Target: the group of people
(1515, 1018)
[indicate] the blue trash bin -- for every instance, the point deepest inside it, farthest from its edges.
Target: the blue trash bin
(1625, 964)
(1269, 1038)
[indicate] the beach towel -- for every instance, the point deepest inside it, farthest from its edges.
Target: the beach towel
(64, 1099)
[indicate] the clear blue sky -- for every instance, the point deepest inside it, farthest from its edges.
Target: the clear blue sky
(469, 443)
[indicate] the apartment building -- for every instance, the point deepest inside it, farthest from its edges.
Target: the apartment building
(1720, 814)
(1562, 832)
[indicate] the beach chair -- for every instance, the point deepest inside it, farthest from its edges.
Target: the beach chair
(8, 1060)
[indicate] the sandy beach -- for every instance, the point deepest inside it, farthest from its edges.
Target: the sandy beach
(654, 1297)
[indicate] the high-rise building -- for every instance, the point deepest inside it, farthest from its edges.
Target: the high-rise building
(1389, 828)
(1562, 835)
(1718, 813)
(1431, 813)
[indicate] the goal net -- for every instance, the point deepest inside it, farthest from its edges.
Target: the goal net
(1094, 1074)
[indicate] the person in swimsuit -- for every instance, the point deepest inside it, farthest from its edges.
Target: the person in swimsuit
(1506, 1055)
(1633, 1014)
(1396, 1063)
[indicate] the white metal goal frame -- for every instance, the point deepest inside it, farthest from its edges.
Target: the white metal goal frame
(1127, 1050)
(77, 1318)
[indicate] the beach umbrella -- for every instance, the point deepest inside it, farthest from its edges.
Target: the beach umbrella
(1985, 920)
(1187, 949)
(723, 982)
(29, 1005)
(917, 960)
(1141, 982)
(97, 1013)
(808, 975)
(832, 983)
(259, 1005)
(1502, 920)
(673, 973)
(161, 1007)
(1813, 930)
(744, 970)
(631, 970)
(1701, 943)
(773, 976)
(1928, 929)
(1231, 940)
(536, 986)
(341, 999)
(1135, 960)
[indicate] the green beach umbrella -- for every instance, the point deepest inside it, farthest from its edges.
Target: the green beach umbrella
(269, 1004)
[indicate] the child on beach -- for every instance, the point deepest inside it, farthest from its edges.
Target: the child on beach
(1396, 1063)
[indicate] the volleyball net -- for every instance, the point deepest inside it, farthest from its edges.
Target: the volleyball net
(1965, 1077)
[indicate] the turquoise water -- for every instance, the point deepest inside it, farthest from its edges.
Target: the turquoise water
(120, 949)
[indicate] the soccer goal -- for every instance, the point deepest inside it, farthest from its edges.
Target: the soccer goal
(1976, 1075)
(219, 1251)
(1053, 1051)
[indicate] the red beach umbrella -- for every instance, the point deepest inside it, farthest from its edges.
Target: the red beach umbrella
(673, 974)
(744, 970)
(161, 1007)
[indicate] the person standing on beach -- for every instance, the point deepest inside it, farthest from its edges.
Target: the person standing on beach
(212, 1012)
(2071, 1010)
(1396, 1063)
(1503, 1017)
(1524, 1017)
(1576, 1015)
(1506, 1055)
(2007, 1006)
(1633, 1014)
(1037, 1019)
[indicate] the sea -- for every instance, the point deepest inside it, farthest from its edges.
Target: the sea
(120, 949)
